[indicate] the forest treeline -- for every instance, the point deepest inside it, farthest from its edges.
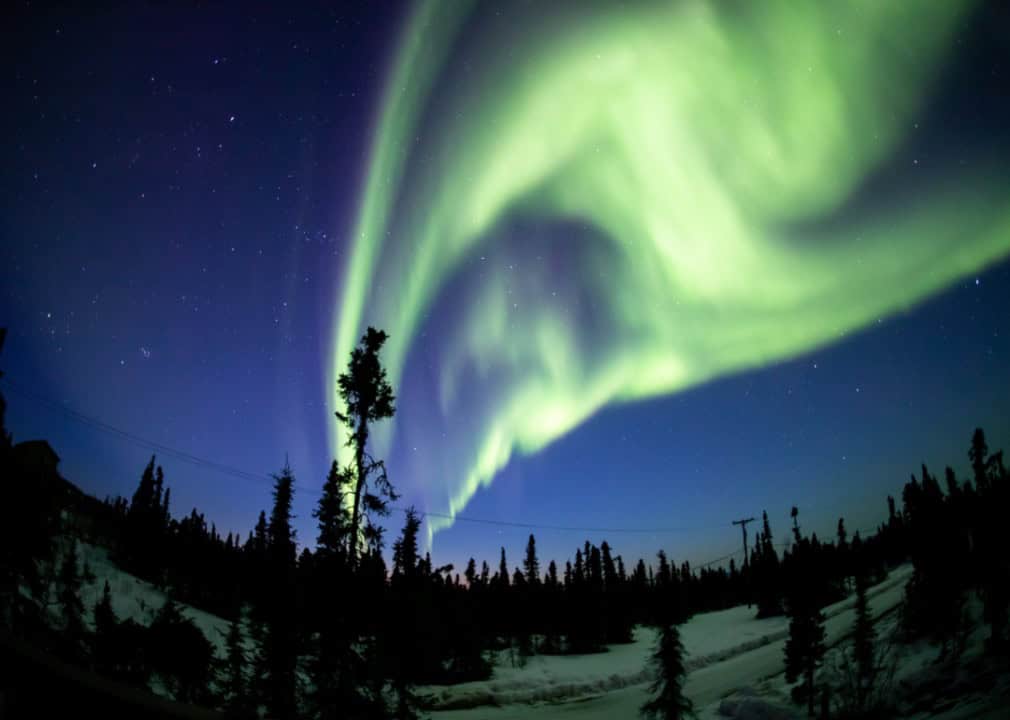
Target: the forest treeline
(332, 631)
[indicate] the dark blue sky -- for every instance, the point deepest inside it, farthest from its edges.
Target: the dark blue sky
(178, 190)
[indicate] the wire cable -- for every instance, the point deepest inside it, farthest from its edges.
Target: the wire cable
(240, 474)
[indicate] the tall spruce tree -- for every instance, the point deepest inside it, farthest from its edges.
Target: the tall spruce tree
(367, 398)
(280, 642)
(669, 701)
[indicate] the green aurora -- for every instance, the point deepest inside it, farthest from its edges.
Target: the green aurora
(718, 148)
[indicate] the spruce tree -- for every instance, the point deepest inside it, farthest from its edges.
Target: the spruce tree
(280, 639)
(410, 646)
(166, 514)
(595, 568)
(863, 635)
(143, 496)
(367, 398)
(978, 454)
(503, 570)
(260, 537)
(609, 568)
(552, 575)
(531, 566)
(935, 594)
(405, 555)
(332, 515)
(105, 616)
(71, 607)
(103, 643)
(769, 590)
(668, 701)
(159, 489)
(237, 704)
(180, 653)
(804, 649)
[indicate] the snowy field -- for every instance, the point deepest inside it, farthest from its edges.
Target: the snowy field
(735, 663)
(137, 599)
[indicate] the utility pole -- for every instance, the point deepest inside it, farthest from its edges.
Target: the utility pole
(743, 526)
(746, 565)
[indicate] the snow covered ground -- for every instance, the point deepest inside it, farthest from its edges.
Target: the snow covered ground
(736, 670)
(735, 663)
(727, 652)
(137, 599)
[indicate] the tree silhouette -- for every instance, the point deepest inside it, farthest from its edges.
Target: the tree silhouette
(978, 454)
(767, 571)
(181, 655)
(237, 704)
(71, 607)
(531, 566)
(411, 639)
(863, 636)
(367, 398)
(503, 570)
(669, 702)
(804, 649)
(280, 646)
(332, 514)
(103, 642)
(405, 556)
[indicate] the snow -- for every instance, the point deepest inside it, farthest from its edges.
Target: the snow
(136, 599)
(727, 651)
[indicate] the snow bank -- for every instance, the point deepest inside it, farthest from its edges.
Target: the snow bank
(748, 704)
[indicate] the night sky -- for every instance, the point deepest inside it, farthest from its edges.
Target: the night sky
(646, 269)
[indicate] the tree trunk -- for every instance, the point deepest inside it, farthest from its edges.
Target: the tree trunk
(359, 482)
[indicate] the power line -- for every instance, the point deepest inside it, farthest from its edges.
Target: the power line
(566, 528)
(97, 424)
(240, 474)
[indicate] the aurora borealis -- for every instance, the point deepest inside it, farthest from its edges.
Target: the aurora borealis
(711, 159)
(645, 267)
